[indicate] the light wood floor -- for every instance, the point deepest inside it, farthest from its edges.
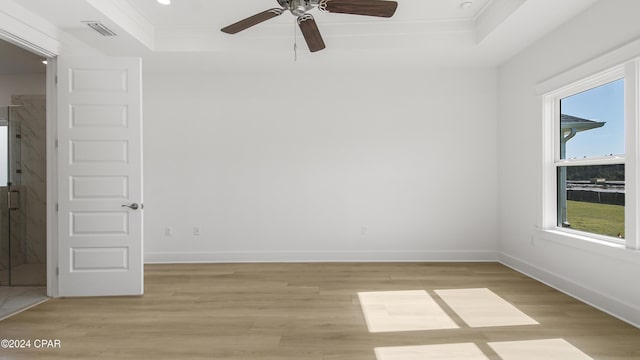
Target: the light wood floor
(298, 311)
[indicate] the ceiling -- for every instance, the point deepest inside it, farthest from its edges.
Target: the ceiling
(207, 12)
(15, 60)
(436, 32)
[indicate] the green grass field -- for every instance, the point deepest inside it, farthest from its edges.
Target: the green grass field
(600, 219)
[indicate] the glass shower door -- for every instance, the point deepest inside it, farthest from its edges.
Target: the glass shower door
(12, 206)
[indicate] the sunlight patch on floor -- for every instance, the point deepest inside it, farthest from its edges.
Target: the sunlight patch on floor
(412, 310)
(547, 349)
(482, 308)
(463, 351)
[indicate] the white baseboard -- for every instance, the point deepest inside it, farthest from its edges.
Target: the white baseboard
(624, 311)
(319, 256)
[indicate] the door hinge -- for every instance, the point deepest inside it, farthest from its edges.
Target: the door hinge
(55, 143)
(55, 79)
(57, 271)
(56, 207)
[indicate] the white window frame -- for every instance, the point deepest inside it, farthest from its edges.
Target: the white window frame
(630, 71)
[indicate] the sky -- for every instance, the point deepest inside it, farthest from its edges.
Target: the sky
(604, 103)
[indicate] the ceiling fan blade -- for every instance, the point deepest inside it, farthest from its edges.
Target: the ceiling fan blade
(378, 8)
(251, 21)
(311, 32)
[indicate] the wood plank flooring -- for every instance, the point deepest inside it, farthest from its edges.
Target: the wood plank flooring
(299, 311)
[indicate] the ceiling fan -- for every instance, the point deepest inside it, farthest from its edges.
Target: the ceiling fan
(307, 23)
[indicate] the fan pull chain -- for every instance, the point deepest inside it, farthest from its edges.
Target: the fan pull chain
(295, 41)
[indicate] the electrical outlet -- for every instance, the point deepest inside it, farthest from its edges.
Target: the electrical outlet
(168, 231)
(196, 231)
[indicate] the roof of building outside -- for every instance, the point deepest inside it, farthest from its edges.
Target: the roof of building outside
(580, 124)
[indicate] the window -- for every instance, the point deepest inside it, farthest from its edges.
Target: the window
(590, 165)
(588, 190)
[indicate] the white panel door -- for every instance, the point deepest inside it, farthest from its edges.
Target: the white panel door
(100, 248)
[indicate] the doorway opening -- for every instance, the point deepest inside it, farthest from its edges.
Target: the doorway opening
(23, 176)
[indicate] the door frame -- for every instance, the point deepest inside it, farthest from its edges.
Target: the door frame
(52, 178)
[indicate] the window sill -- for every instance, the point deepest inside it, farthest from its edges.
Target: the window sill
(588, 244)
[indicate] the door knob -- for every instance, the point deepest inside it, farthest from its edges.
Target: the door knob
(133, 206)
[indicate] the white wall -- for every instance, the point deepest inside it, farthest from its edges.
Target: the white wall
(21, 84)
(342, 164)
(597, 275)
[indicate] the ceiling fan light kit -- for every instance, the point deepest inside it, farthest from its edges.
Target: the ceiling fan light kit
(306, 22)
(466, 5)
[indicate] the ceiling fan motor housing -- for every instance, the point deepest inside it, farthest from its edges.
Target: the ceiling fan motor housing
(298, 7)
